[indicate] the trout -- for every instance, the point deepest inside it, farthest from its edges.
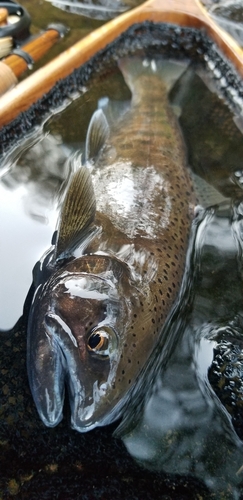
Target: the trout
(104, 289)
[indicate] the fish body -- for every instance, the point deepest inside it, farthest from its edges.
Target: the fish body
(105, 288)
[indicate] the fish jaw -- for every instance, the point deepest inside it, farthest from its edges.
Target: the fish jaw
(46, 369)
(66, 312)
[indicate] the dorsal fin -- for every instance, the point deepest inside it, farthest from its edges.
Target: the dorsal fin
(97, 134)
(77, 213)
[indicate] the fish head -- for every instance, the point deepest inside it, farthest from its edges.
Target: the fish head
(79, 324)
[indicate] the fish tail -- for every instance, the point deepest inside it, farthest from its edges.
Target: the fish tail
(134, 67)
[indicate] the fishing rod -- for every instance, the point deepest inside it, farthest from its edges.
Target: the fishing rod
(186, 13)
(24, 57)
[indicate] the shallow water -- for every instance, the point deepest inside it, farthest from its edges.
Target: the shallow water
(182, 426)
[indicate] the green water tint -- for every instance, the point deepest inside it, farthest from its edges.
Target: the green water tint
(180, 426)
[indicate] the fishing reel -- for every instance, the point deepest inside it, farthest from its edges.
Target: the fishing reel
(14, 21)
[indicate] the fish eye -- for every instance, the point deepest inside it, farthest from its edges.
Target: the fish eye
(102, 340)
(97, 341)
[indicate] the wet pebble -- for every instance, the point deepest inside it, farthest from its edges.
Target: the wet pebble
(226, 378)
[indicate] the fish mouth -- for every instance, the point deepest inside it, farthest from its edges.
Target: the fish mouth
(55, 367)
(46, 373)
(61, 375)
(83, 417)
(87, 422)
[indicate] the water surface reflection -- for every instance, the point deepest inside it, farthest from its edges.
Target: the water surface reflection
(28, 200)
(183, 426)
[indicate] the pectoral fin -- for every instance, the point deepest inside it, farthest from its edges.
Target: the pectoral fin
(206, 194)
(97, 134)
(77, 213)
